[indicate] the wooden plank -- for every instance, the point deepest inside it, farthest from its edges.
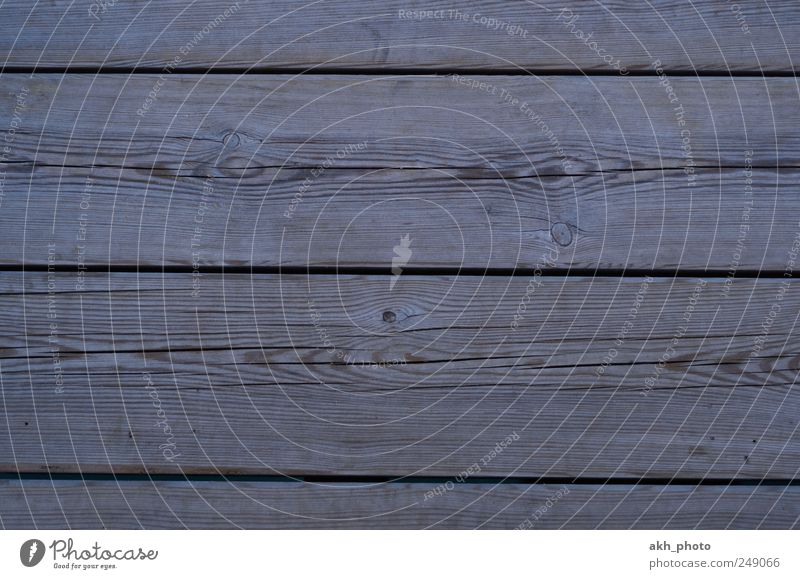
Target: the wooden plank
(345, 375)
(207, 124)
(731, 220)
(277, 34)
(126, 504)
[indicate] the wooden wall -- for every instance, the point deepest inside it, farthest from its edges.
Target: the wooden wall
(269, 264)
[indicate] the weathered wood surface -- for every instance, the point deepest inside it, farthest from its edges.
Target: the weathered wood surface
(78, 504)
(731, 220)
(296, 375)
(704, 35)
(401, 374)
(207, 124)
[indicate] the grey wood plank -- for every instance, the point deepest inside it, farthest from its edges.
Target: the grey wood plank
(343, 375)
(126, 504)
(732, 220)
(545, 35)
(560, 125)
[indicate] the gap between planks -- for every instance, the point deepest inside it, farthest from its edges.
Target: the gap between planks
(390, 71)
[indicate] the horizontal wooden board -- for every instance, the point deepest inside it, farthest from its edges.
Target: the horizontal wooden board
(616, 36)
(125, 504)
(732, 220)
(346, 375)
(212, 124)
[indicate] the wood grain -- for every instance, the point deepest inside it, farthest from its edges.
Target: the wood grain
(733, 220)
(561, 125)
(279, 34)
(125, 504)
(341, 375)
